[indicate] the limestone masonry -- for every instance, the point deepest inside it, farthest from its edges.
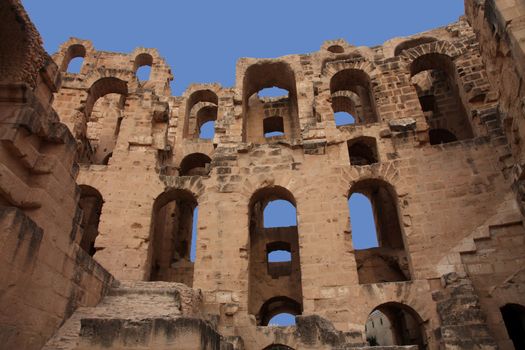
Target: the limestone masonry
(101, 173)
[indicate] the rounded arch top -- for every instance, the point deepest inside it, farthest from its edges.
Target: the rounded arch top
(271, 193)
(90, 191)
(278, 305)
(102, 87)
(175, 194)
(266, 74)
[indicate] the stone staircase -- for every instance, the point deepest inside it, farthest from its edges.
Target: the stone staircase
(140, 313)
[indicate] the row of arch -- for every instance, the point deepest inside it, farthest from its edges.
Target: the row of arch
(395, 323)
(352, 91)
(75, 54)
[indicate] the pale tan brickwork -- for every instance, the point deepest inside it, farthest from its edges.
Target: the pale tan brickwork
(97, 217)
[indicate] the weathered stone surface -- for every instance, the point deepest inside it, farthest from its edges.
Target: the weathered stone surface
(437, 148)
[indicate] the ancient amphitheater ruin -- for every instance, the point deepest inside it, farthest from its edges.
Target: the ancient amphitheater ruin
(101, 172)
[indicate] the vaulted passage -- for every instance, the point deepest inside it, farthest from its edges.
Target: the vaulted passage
(105, 112)
(201, 115)
(173, 233)
(91, 204)
(352, 94)
(73, 59)
(195, 164)
(514, 318)
(270, 102)
(378, 240)
(362, 151)
(274, 266)
(142, 66)
(433, 76)
(395, 324)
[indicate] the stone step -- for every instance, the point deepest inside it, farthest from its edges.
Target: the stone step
(128, 302)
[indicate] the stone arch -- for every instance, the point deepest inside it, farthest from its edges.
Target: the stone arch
(102, 87)
(171, 236)
(264, 285)
(405, 324)
(195, 164)
(267, 74)
(143, 59)
(436, 47)
(342, 81)
(438, 86)
(412, 43)
(72, 48)
(277, 305)
(389, 261)
(199, 99)
(73, 51)
(278, 347)
(91, 202)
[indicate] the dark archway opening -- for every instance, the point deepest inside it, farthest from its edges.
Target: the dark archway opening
(439, 136)
(351, 92)
(277, 306)
(434, 77)
(173, 236)
(91, 204)
(269, 89)
(274, 264)
(514, 318)
(393, 324)
(388, 260)
(195, 164)
(363, 151)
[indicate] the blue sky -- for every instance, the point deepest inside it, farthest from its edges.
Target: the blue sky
(202, 40)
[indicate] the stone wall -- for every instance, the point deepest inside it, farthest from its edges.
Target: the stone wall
(430, 149)
(44, 273)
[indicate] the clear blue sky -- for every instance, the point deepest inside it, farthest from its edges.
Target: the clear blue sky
(202, 40)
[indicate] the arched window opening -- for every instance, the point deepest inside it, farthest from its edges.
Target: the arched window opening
(195, 164)
(439, 136)
(91, 204)
(434, 77)
(409, 44)
(279, 213)
(142, 66)
(364, 235)
(394, 324)
(201, 109)
(362, 151)
(73, 59)
(174, 235)
(378, 243)
(207, 130)
(287, 307)
(278, 347)
(274, 267)
(282, 320)
(273, 91)
(347, 108)
(514, 319)
(75, 65)
(343, 119)
(269, 89)
(351, 92)
(104, 126)
(336, 49)
(279, 257)
(273, 127)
